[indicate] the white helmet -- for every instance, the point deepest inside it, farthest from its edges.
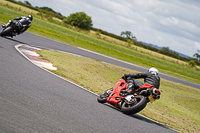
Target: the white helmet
(153, 70)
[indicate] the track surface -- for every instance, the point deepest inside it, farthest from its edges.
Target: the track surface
(33, 100)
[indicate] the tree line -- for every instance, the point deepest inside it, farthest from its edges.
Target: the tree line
(41, 10)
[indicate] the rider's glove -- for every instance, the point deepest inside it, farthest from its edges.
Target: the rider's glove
(126, 76)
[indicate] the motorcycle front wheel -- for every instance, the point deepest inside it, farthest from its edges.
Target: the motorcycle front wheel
(138, 104)
(6, 32)
(102, 98)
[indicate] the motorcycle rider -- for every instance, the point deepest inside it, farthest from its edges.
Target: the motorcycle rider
(151, 77)
(25, 23)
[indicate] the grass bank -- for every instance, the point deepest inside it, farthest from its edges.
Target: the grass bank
(103, 45)
(178, 107)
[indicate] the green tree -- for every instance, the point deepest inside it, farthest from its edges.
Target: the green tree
(166, 49)
(192, 63)
(79, 19)
(128, 35)
(28, 3)
(197, 55)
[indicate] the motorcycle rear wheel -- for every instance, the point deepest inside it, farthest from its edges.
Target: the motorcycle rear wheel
(6, 32)
(136, 106)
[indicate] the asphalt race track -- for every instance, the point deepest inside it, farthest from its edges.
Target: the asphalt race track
(34, 100)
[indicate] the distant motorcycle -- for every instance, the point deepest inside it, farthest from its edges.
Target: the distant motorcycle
(12, 30)
(129, 103)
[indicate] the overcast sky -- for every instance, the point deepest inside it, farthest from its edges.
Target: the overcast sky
(166, 23)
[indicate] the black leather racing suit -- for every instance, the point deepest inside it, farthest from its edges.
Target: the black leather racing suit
(149, 78)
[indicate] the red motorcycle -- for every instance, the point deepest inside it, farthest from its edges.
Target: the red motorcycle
(129, 103)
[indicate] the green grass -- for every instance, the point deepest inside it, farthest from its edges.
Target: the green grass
(83, 40)
(84, 71)
(178, 107)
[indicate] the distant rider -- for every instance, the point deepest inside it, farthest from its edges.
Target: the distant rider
(151, 77)
(25, 23)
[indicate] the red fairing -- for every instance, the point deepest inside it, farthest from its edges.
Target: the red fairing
(114, 97)
(146, 85)
(158, 92)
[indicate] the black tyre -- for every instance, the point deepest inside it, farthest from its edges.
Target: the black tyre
(104, 96)
(6, 32)
(101, 99)
(138, 104)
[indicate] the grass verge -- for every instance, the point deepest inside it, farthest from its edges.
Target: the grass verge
(178, 107)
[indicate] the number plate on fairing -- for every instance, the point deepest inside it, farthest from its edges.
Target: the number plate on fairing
(151, 99)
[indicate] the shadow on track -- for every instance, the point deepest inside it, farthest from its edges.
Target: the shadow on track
(139, 117)
(12, 39)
